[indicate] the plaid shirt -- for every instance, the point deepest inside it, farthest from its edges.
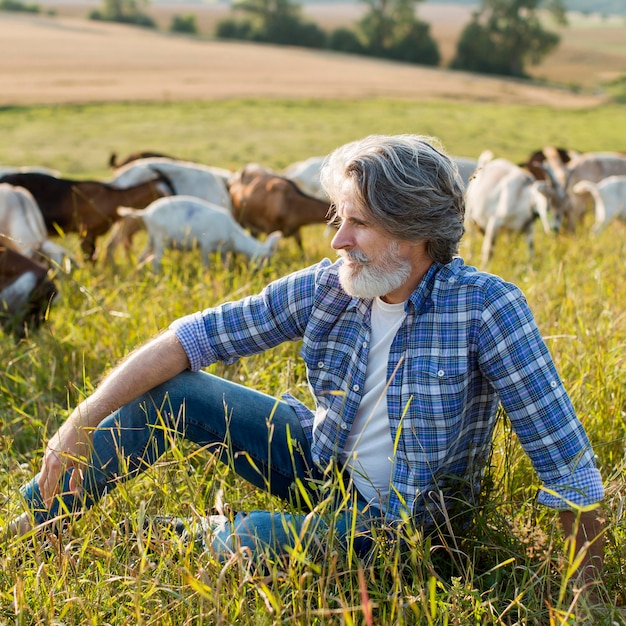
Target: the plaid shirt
(468, 343)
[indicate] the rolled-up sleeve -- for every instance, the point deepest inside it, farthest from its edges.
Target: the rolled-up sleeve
(251, 325)
(191, 334)
(581, 488)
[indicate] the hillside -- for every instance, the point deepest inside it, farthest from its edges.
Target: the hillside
(50, 60)
(592, 49)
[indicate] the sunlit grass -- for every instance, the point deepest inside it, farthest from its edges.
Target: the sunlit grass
(509, 569)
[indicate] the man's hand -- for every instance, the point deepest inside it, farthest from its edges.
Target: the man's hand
(67, 449)
(585, 529)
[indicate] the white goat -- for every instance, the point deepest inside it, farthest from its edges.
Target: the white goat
(187, 178)
(306, 175)
(570, 206)
(501, 195)
(183, 221)
(22, 226)
(609, 196)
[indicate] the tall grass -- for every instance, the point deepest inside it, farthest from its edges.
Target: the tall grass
(511, 567)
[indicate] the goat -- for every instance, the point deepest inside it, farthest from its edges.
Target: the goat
(570, 207)
(22, 227)
(548, 156)
(186, 178)
(26, 292)
(306, 175)
(609, 196)
(182, 221)
(86, 207)
(502, 195)
(264, 202)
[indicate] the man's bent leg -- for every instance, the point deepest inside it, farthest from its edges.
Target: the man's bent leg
(267, 535)
(262, 437)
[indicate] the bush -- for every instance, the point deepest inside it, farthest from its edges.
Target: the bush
(234, 29)
(184, 24)
(309, 35)
(16, 5)
(345, 40)
(136, 19)
(416, 46)
(283, 30)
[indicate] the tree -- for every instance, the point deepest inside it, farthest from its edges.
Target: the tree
(391, 30)
(505, 35)
(126, 11)
(268, 10)
(275, 21)
(415, 45)
(184, 24)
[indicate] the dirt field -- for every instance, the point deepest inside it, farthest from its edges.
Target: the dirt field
(70, 60)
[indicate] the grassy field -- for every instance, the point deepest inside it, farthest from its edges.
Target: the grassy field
(510, 569)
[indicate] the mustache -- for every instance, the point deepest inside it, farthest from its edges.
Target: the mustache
(355, 256)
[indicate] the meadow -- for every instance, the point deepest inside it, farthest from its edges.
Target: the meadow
(511, 568)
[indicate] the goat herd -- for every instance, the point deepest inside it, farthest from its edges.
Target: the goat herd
(183, 204)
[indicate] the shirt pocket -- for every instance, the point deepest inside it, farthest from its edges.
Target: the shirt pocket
(326, 374)
(439, 388)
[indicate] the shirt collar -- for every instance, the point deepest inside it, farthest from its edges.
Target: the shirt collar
(420, 298)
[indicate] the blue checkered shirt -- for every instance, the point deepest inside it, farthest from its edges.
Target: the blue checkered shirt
(469, 343)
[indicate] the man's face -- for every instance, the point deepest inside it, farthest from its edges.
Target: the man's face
(375, 264)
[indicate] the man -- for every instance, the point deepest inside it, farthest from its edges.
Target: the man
(408, 352)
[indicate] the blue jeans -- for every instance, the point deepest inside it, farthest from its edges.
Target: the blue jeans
(259, 436)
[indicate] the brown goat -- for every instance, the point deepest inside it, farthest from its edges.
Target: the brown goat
(86, 207)
(555, 157)
(264, 202)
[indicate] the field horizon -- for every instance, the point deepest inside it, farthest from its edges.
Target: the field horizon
(68, 59)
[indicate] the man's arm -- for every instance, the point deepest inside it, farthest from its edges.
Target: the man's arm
(157, 361)
(586, 530)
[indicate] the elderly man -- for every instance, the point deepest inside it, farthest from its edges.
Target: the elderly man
(409, 353)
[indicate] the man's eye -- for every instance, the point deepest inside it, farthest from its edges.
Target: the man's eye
(335, 222)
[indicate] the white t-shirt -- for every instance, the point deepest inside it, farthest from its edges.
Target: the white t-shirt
(369, 450)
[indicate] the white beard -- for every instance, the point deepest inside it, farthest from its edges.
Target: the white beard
(363, 278)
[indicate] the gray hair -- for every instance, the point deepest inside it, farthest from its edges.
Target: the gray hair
(412, 188)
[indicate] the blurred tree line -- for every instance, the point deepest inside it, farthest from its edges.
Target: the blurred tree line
(503, 36)
(389, 29)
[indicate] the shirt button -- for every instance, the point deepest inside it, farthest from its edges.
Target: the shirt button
(355, 387)
(440, 373)
(320, 364)
(365, 344)
(451, 280)
(344, 426)
(553, 384)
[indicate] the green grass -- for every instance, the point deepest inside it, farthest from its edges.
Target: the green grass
(77, 140)
(510, 569)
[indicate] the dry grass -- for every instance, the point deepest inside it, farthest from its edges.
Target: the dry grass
(69, 60)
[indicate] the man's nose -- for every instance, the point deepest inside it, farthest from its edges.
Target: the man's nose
(341, 239)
